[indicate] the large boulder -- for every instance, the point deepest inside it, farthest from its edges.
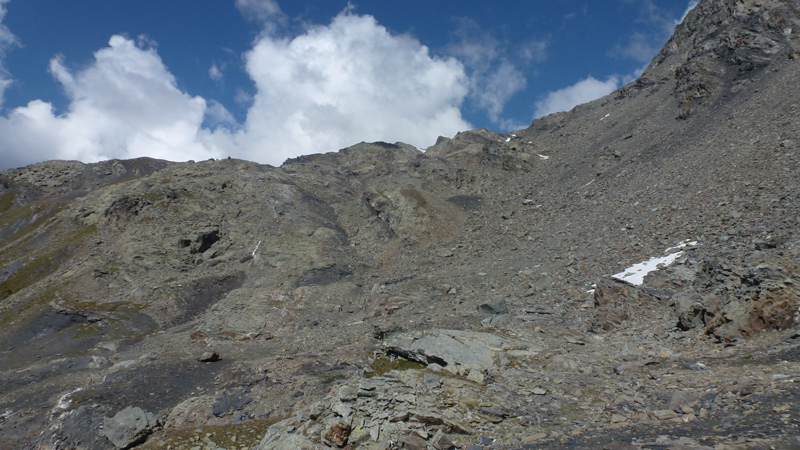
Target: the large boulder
(129, 427)
(466, 353)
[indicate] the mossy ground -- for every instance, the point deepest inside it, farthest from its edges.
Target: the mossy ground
(383, 364)
(243, 435)
(6, 201)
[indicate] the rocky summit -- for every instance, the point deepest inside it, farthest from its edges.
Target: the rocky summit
(625, 275)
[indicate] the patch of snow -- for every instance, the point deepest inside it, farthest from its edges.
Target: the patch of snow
(635, 274)
(605, 116)
(513, 135)
(589, 182)
(541, 156)
(508, 139)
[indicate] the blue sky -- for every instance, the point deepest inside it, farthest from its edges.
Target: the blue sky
(266, 80)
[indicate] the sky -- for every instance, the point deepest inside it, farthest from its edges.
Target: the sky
(267, 80)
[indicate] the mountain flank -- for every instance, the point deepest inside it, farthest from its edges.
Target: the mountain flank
(478, 295)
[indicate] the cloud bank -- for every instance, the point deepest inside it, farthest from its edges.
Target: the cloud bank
(346, 82)
(125, 104)
(325, 89)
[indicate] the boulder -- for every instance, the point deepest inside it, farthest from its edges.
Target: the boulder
(460, 352)
(129, 427)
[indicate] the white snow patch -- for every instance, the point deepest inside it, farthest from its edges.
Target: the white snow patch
(635, 274)
(541, 156)
(605, 116)
(508, 139)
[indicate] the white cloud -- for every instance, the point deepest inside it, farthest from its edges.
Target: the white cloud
(689, 8)
(660, 23)
(581, 92)
(7, 39)
(497, 88)
(493, 78)
(260, 10)
(534, 50)
(639, 47)
(350, 81)
(324, 90)
(124, 105)
(217, 115)
(215, 73)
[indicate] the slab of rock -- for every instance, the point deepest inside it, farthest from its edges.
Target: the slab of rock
(129, 427)
(233, 400)
(460, 352)
(495, 307)
(285, 441)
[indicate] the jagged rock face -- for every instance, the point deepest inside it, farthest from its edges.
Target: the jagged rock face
(722, 46)
(301, 283)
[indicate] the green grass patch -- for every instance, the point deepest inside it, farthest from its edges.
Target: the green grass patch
(6, 201)
(239, 436)
(43, 264)
(383, 364)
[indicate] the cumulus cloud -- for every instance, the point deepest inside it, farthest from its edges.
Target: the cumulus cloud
(325, 89)
(581, 92)
(125, 104)
(349, 81)
(7, 39)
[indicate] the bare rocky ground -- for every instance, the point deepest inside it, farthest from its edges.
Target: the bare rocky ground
(382, 297)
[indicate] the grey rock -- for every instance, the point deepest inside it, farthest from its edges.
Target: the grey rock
(347, 393)
(231, 400)
(129, 427)
(460, 352)
(496, 320)
(441, 441)
(413, 441)
(341, 409)
(496, 307)
(540, 309)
